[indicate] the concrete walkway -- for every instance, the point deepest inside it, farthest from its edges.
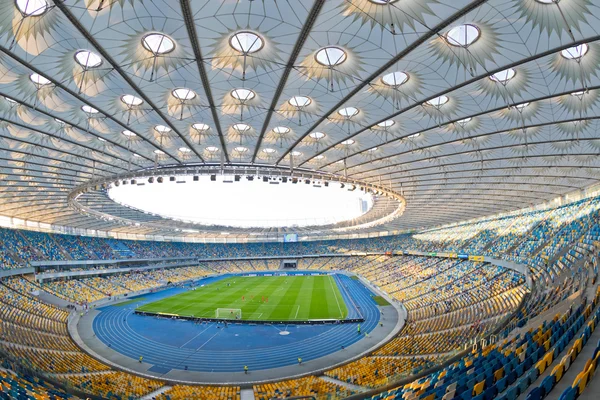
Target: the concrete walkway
(152, 395)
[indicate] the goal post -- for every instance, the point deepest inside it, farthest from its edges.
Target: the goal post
(228, 313)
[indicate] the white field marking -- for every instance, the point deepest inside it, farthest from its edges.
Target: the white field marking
(336, 299)
(200, 333)
(203, 344)
(297, 309)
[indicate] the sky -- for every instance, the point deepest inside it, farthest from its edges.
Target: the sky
(245, 203)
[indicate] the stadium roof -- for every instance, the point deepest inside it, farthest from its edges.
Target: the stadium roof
(468, 108)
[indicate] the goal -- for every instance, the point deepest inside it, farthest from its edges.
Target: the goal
(228, 313)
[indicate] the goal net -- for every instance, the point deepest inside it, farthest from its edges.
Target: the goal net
(228, 313)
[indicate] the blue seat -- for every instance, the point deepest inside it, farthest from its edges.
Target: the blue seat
(490, 393)
(568, 394)
(512, 377)
(535, 394)
(523, 385)
(501, 384)
(547, 385)
(512, 393)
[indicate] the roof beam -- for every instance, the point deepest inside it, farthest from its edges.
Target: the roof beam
(422, 39)
(188, 18)
(306, 28)
(90, 38)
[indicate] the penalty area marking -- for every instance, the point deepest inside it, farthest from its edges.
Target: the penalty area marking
(297, 310)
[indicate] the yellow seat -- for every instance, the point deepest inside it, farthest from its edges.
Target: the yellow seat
(558, 372)
(478, 388)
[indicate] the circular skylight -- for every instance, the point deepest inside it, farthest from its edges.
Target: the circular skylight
(348, 112)
(10, 100)
(131, 100)
(89, 110)
(414, 135)
(281, 130)
(438, 101)
(102, 139)
(521, 106)
(383, 2)
(241, 149)
(200, 127)
(183, 94)
(60, 121)
(162, 129)
(158, 43)
(464, 121)
(269, 151)
(32, 8)
(317, 135)
(212, 149)
(394, 78)
(88, 59)
(246, 42)
(578, 94)
(241, 127)
(39, 80)
(575, 53)
(547, 1)
(319, 157)
(386, 124)
(296, 153)
(503, 76)
(184, 150)
(463, 35)
(373, 149)
(209, 202)
(128, 133)
(348, 142)
(300, 101)
(159, 152)
(136, 155)
(330, 56)
(243, 94)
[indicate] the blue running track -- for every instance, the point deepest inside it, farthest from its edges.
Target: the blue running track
(210, 347)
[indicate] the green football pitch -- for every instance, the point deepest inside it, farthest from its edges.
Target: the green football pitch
(268, 298)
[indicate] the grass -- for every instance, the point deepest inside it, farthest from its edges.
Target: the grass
(381, 301)
(264, 298)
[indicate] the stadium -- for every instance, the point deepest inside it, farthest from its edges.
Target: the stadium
(299, 199)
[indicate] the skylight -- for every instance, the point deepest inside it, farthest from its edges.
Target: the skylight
(386, 124)
(89, 110)
(241, 127)
(162, 129)
(395, 79)
(576, 52)
(131, 100)
(39, 80)
(330, 56)
(158, 43)
(246, 42)
(212, 149)
(300, 101)
(348, 112)
(438, 101)
(503, 76)
(317, 135)
(183, 94)
(32, 8)
(200, 127)
(128, 133)
(281, 130)
(348, 142)
(243, 94)
(463, 35)
(88, 59)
